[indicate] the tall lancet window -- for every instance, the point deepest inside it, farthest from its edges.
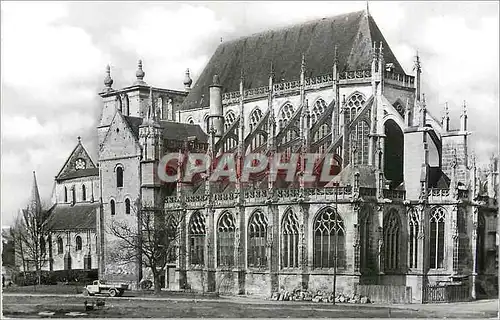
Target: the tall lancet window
(359, 142)
(317, 111)
(259, 139)
(231, 142)
(65, 194)
(197, 236)
(322, 132)
(119, 177)
(73, 194)
(392, 241)
(84, 193)
(286, 113)
(413, 230)
(329, 238)
(353, 105)
(257, 238)
(290, 240)
(225, 240)
(436, 245)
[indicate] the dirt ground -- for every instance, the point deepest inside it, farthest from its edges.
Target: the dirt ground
(62, 306)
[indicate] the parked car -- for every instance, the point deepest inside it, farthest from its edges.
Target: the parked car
(101, 287)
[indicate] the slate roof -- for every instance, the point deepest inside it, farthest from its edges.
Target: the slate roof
(78, 216)
(88, 172)
(171, 130)
(353, 33)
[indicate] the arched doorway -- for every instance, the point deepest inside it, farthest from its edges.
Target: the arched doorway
(393, 153)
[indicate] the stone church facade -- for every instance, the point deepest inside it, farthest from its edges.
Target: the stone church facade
(407, 207)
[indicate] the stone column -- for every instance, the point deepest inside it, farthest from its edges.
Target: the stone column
(474, 250)
(210, 254)
(380, 250)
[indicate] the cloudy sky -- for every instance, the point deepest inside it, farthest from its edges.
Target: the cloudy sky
(53, 57)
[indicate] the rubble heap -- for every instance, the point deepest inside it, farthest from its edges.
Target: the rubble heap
(319, 296)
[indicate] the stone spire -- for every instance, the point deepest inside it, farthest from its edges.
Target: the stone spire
(139, 74)
(108, 81)
(463, 118)
(187, 81)
(35, 205)
(445, 121)
(367, 10)
(417, 67)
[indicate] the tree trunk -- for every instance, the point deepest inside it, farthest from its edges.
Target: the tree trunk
(156, 278)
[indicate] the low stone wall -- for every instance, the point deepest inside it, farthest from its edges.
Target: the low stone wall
(386, 293)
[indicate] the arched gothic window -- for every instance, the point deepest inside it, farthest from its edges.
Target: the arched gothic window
(286, 113)
(413, 230)
(197, 239)
(290, 241)
(359, 142)
(329, 236)
(73, 194)
(353, 106)
(480, 244)
(229, 118)
(392, 241)
(78, 241)
(119, 177)
(127, 206)
(205, 122)
(436, 245)
(365, 233)
(257, 238)
(255, 118)
(317, 110)
(225, 240)
(112, 206)
(84, 193)
(65, 194)
(60, 245)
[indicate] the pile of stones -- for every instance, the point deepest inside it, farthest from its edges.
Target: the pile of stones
(319, 296)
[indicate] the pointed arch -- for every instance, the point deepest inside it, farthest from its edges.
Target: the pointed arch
(255, 118)
(359, 138)
(437, 220)
(257, 239)
(366, 224)
(205, 122)
(413, 231)
(318, 108)
(286, 113)
(60, 246)
(78, 243)
(392, 241)
(353, 105)
(229, 118)
(197, 235)
(225, 240)
(290, 240)
(84, 192)
(329, 238)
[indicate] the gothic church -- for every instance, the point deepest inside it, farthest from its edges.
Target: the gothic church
(408, 206)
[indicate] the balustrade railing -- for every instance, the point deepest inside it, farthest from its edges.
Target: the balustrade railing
(367, 192)
(400, 79)
(439, 194)
(394, 194)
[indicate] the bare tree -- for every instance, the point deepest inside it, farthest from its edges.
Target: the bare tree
(153, 240)
(29, 235)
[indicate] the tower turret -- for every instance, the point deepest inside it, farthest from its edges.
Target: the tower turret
(108, 81)
(187, 81)
(216, 111)
(463, 118)
(139, 74)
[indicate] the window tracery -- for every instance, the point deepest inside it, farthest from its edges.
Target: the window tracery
(197, 236)
(225, 240)
(392, 241)
(437, 221)
(257, 237)
(329, 234)
(290, 240)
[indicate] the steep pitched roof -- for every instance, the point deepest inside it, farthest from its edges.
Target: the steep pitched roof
(353, 33)
(69, 171)
(171, 130)
(78, 216)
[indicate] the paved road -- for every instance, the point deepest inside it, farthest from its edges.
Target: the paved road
(29, 305)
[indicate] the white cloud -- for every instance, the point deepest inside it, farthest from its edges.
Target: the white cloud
(167, 41)
(42, 56)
